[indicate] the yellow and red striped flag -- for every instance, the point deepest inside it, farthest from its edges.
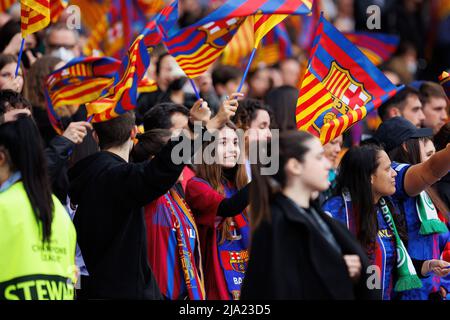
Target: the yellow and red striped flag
(240, 46)
(35, 15)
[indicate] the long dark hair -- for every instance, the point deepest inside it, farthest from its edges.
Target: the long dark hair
(21, 142)
(283, 101)
(355, 171)
(264, 187)
(408, 151)
(214, 174)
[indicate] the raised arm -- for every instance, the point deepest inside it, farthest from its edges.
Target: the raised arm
(423, 175)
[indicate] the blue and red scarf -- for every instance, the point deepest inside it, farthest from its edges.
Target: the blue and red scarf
(193, 275)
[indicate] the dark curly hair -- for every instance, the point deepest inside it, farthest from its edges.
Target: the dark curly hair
(247, 112)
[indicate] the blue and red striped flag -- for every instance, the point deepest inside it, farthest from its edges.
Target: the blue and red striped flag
(84, 80)
(307, 27)
(340, 86)
(197, 47)
(378, 47)
(123, 95)
(80, 81)
(444, 80)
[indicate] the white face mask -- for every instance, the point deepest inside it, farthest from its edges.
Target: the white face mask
(63, 53)
(412, 67)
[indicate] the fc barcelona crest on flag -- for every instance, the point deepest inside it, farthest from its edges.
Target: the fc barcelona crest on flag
(347, 94)
(340, 86)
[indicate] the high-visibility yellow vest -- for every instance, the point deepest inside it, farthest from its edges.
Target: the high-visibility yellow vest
(30, 269)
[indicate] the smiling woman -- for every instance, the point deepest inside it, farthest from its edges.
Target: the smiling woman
(218, 197)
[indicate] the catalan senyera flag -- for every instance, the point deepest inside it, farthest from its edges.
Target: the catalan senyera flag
(240, 46)
(35, 15)
(275, 46)
(198, 46)
(444, 80)
(340, 86)
(378, 47)
(123, 95)
(263, 24)
(6, 4)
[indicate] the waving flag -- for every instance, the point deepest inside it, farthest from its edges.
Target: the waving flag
(378, 47)
(444, 80)
(84, 80)
(239, 8)
(196, 47)
(239, 48)
(81, 80)
(340, 86)
(275, 46)
(35, 15)
(307, 27)
(123, 95)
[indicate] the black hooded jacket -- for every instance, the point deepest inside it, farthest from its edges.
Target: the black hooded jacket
(110, 194)
(290, 260)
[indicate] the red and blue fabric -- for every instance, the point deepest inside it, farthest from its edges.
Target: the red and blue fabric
(233, 254)
(173, 249)
(239, 8)
(420, 247)
(383, 254)
(379, 46)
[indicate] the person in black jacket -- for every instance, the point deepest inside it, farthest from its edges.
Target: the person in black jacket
(297, 251)
(110, 194)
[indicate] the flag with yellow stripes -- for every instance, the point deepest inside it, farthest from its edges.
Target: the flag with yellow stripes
(240, 46)
(35, 15)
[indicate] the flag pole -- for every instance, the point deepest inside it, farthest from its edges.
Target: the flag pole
(20, 58)
(250, 60)
(195, 88)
